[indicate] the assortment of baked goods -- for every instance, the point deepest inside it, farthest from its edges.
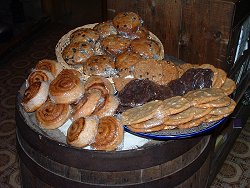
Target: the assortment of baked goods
(112, 74)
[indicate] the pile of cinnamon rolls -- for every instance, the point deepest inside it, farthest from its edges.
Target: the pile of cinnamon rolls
(55, 95)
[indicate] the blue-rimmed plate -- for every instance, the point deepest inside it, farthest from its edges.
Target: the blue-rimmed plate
(179, 133)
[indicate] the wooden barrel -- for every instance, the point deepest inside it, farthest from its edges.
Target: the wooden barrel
(47, 163)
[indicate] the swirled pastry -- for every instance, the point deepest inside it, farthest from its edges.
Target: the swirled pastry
(51, 115)
(66, 89)
(107, 107)
(49, 65)
(82, 132)
(77, 53)
(100, 83)
(70, 72)
(86, 106)
(109, 135)
(34, 96)
(39, 76)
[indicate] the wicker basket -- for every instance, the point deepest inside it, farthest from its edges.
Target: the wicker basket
(65, 40)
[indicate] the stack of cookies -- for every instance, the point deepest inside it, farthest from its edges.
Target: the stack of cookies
(196, 107)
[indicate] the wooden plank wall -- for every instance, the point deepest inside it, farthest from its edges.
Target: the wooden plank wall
(195, 31)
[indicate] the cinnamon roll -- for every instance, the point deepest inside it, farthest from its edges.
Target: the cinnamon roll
(82, 132)
(100, 83)
(86, 106)
(110, 134)
(66, 89)
(49, 65)
(34, 96)
(107, 107)
(39, 76)
(51, 115)
(70, 72)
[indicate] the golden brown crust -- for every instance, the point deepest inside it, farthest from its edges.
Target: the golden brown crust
(105, 29)
(127, 22)
(49, 65)
(39, 76)
(82, 132)
(31, 91)
(86, 105)
(51, 115)
(115, 44)
(147, 48)
(66, 89)
(109, 135)
(84, 35)
(228, 87)
(77, 53)
(99, 83)
(126, 60)
(99, 65)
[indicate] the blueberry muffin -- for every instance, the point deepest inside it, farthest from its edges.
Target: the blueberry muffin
(142, 32)
(127, 22)
(77, 53)
(146, 48)
(84, 35)
(102, 65)
(115, 44)
(105, 29)
(127, 59)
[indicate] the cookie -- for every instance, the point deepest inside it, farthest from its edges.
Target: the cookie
(212, 118)
(147, 130)
(224, 111)
(141, 113)
(228, 87)
(215, 70)
(155, 121)
(192, 123)
(221, 77)
(178, 118)
(143, 69)
(199, 112)
(184, 67)
(205, 95)
(175, 105)
(169, 72)
(224, 101)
